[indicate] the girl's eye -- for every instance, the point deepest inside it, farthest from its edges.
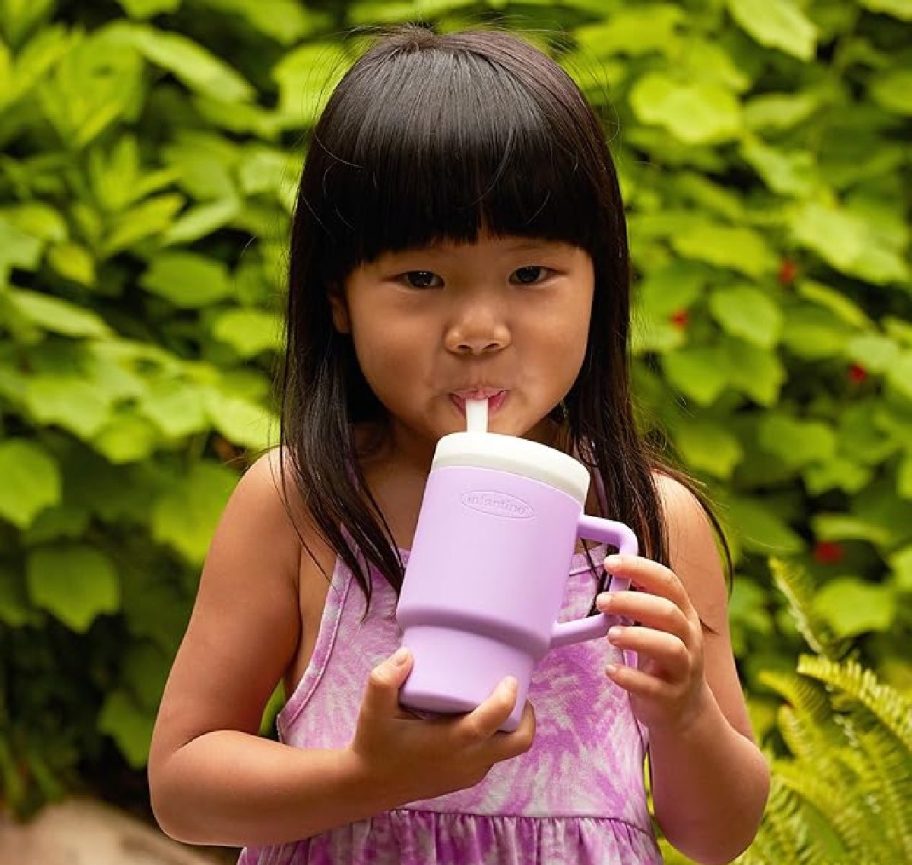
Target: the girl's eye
(420, 278)
(532, 274)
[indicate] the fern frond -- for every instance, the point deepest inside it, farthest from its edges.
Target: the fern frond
(886, 704)
(828, 802)
(799, 589)
(886, 779)
(807, 723)
(783, 833)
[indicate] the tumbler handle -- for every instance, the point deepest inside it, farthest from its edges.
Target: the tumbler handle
(618, 535)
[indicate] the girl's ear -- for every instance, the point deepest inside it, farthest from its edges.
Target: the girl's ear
(339, 309)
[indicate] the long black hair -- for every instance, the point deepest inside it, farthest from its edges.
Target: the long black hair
(431, 137)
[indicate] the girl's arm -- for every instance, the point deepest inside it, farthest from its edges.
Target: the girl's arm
(709, 779)
(212, 779)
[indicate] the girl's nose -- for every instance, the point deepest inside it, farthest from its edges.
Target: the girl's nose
(477, 334)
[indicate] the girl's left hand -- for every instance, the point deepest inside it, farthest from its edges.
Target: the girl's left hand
(667, 689)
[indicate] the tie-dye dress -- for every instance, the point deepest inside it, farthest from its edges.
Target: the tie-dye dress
(577, 796)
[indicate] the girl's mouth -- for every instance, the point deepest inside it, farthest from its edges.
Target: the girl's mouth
(495, 399)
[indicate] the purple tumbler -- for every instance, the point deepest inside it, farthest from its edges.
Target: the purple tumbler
(486, 575)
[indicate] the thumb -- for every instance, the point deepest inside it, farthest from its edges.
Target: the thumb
(381, 696)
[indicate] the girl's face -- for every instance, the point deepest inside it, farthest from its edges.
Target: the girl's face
(505, 318)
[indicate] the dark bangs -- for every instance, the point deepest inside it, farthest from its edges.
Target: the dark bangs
(435, 145)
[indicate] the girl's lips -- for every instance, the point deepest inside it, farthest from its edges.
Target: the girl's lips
(495, 399)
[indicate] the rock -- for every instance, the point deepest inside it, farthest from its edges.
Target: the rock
(86, 832)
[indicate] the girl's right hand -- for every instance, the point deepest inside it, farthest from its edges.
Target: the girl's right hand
(411, 758)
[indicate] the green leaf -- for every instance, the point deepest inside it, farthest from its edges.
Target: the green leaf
(54, 523)
(73, 582)
(851, 607)
(248, 331)
(813, 333)
(96, 83)
(845, 527)
(188, 61)
(698, 372)
(754, 371)
(201, 221)
(285, 21)
(796, 442)
(897, 8)
(847, 241)
(833, 300)
(708, 446)
(785, 172)
(145, 670)
(638, 29)
(186, 516)
(153, 216)
(18, 17)
(56, 315)
(899, 374)
(71, 402)
(904, 477)
(901, 563)
(129, 726)
(761, 530)
(31, 481)
(15, 609)
(175, 407)
(747, 312)
(17, 249)
(894, 91)
(838, 473)
(699, 113)
(776, 24)
(73, 261)
(143, 9)
(126, 438)
(875, 352)
(240, 421)
(780, 110)
(38, 220)
(186, 279)
(306, 76)
(739, 249)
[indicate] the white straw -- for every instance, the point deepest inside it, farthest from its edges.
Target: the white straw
(476, 415)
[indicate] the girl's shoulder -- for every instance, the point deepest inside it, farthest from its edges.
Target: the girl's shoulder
(695, 548)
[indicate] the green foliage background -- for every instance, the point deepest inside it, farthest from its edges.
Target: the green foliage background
(150, 150)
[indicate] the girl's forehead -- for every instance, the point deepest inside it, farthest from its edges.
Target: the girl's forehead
(503, 243)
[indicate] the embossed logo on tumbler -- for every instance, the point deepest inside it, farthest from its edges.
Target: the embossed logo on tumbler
(485, 578)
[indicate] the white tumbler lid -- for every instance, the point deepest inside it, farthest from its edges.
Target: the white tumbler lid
(517, 455)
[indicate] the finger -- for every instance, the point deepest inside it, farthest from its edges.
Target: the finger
(650, 576)
(647, 609)
(381, 695)
(521, 739)
(664, 649)
(485, 720)
(636, 682)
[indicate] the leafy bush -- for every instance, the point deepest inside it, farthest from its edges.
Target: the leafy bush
(844, 795)
(150, 154)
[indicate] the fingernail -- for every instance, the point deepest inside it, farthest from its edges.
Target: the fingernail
(401, 656)
(603, 601)
(613, 561)
(611, 669)
(614, 633)
(510, 684)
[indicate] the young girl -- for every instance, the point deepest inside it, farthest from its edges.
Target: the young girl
(458, 233)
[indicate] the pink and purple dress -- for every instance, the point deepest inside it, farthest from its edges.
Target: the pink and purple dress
(575, 798)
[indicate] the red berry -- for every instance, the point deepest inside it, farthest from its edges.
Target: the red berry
(788, 270)
(680, 319)
(857, 373)
(828, 552)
